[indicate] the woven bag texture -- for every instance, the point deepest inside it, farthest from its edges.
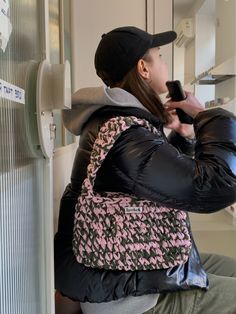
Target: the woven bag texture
(118, 231)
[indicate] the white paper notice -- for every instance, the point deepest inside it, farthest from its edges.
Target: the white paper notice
(5, 24)
(12, 92)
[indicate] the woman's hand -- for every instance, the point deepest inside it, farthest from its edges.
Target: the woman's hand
(190, 105)
(185, 130)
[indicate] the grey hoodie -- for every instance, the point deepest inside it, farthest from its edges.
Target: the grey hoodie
(87, 100)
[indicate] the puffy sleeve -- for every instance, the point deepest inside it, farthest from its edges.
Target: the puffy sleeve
(186, 146)
(150, 167)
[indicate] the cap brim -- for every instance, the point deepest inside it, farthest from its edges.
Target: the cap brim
(164, 38)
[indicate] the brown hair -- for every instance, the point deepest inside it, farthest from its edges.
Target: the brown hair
(137, 86)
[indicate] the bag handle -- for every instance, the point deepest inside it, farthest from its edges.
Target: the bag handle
(107, 135)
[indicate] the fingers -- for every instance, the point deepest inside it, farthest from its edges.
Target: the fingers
(190, 105)
(171, 105)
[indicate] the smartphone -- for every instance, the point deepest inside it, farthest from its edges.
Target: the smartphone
(177, 93)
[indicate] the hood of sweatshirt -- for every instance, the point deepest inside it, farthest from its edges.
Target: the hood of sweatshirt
(88, 100)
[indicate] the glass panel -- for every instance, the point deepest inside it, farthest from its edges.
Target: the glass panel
(22, 175)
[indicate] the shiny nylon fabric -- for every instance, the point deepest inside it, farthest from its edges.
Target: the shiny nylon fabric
(215, 131)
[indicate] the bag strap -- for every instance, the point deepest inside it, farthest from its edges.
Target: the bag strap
(108, 134)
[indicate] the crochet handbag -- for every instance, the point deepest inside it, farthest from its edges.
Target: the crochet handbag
(114, 230)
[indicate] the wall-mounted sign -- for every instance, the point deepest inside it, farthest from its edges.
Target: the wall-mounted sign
(5, 24)
(12, 92)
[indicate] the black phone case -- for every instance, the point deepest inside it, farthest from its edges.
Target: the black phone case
(177, 94)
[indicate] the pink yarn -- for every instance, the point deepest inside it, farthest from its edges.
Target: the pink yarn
(113, 230)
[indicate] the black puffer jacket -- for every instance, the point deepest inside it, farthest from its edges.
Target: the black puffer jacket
(152, 169)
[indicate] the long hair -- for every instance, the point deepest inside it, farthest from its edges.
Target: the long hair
(137, 86)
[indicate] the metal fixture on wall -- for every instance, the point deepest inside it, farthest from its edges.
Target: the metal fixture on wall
(53, 92)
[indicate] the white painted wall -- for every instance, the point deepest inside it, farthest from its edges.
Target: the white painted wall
(225, 33)
(62, 165)
(189, 63)
(204, 42)
(225, 43)
(179, 56)
(227, 89)
(92, 18)
(163, 21)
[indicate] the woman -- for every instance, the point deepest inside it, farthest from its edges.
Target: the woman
(153, 168)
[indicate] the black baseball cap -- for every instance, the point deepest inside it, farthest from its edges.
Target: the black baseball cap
(120, 50)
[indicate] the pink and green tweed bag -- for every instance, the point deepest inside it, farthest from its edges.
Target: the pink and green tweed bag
(118, 231)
